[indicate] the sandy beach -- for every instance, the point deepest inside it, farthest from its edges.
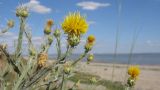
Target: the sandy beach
(149, 78)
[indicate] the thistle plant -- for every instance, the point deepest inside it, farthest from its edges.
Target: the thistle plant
(37, 72)
(133, 72)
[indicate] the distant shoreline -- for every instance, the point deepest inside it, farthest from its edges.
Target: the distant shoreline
(148, 79)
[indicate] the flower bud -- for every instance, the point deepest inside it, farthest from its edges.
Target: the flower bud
(32, 52)
(88, 47)
(47, 30)
(90, 43)
(50, 39)
(90, 58)
(73, 40)
(131, 82)
(67, 68)
(57, 33)
(93, 80)
(91, 39)
(22, 11)
(10, 23)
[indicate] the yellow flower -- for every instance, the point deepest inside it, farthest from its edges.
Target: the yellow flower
(91, 39)
(134, 71)
(74, 23)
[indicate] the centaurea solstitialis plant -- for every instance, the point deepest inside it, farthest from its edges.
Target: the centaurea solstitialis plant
(36, 71)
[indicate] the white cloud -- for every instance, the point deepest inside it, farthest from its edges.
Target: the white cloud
(90, 5)
(91, 22)
(35, 6)
(6, 35)
(153, 43)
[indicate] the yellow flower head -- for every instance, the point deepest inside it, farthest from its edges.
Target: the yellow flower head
(91, 39)
(134, 71)
(74, 23)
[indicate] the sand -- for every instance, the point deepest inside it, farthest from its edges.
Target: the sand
(149, 78)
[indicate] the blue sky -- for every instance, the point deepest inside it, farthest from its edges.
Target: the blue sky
(102, 15)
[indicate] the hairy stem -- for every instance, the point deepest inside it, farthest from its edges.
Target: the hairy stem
(24, 73)
(63, 78)
(80, 58)
(20, 37)
(58, 47)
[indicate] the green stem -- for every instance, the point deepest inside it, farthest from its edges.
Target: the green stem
(4, 30)
(58, 47)
(135, 36)
(68, 52)
(24, 73)
(62, 82)
(47, 45)
(20, 37)
(80, 58)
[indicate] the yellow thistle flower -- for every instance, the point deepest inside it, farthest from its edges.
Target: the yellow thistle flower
(91, 39)
(134, 71)
(74, 23)
(42, 58)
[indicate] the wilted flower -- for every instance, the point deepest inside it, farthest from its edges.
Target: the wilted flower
(74, 23)
(48, 26)
(50, 22)
(10, 23)
(134, 71)
(42, 58)
(22, 11)
(90, 58)
(4, 45)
